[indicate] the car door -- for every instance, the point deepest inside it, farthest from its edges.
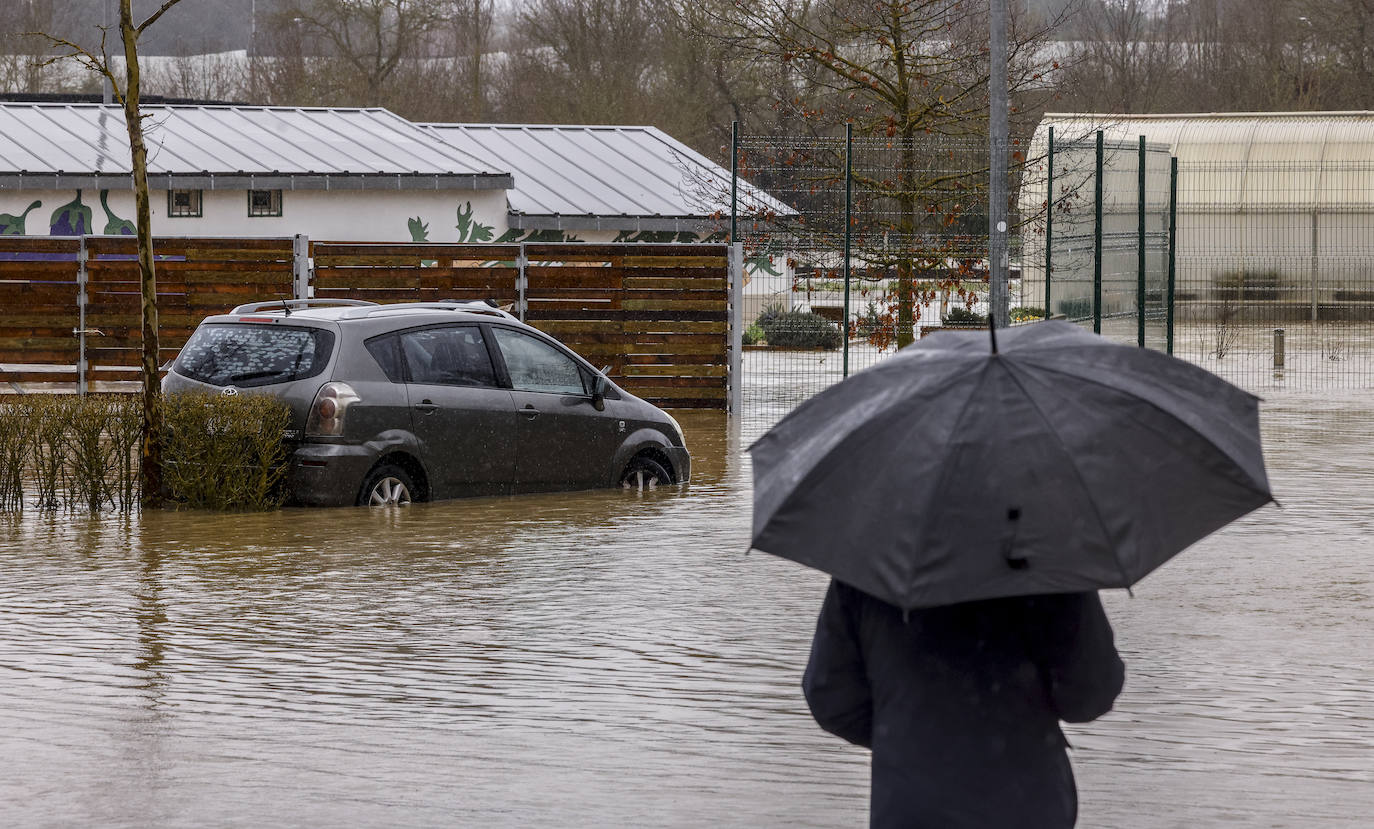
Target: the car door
(562, 441)
(464, 419)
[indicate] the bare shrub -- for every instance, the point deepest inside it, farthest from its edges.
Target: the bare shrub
(225, 453)
(14, 448)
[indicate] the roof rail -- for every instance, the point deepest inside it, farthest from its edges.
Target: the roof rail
(476, 306)
(293, 304)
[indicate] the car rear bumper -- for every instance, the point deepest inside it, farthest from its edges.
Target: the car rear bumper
(328, 474)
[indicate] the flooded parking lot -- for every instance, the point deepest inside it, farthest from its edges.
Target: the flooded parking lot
(615, 658)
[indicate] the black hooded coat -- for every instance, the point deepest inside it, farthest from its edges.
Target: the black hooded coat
(961, 704)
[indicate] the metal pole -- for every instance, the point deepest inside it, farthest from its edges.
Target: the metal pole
(522, 262)
(1097, 242)
(1314, 265)
(82, 280)
(1173, 247)
(734, 180)
(300, 266)
(1140, 249)
(1049, 228)
(848, 226)
(998, 132)
(735, 391)
(107, 90)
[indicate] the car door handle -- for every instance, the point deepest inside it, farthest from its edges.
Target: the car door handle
(426, 406)
(529, 411)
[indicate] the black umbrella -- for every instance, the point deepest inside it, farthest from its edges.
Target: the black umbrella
(1062, 462)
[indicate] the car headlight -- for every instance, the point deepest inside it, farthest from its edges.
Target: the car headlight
(681, 438)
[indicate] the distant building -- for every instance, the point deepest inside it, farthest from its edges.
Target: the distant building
(354, 175)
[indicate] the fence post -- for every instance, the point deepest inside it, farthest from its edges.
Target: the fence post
(734, 180)
(735, 380)
(1097, 242)
(848, 225)
(1049, 227)
(300, 266)
(1315, 265)
(82, 279)
(1173, 247)
(1140, 248)
(521, 281)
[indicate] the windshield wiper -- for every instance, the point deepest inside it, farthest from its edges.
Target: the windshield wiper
(255, 375)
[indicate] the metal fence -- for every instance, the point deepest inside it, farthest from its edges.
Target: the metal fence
(1275, 285)
(881, 236)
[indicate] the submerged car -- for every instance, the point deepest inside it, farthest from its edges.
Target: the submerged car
(427, 400)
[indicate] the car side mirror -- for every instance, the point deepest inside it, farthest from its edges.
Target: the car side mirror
(599, 393)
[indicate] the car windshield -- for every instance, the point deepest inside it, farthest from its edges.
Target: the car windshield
(246, 355)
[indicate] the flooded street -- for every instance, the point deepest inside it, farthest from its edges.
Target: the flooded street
(616, 659)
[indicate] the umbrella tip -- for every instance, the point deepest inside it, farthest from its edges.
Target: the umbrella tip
(992, 332)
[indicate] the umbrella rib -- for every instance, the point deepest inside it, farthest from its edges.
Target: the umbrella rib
(1063, 447)
(1148, 402)
(943, 466)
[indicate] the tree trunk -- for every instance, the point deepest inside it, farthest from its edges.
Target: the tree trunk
(906, 204)
(151, 429)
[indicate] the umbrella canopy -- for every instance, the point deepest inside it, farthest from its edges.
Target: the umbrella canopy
(1063, 462)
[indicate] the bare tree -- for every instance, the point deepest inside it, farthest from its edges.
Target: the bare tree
(128, 93)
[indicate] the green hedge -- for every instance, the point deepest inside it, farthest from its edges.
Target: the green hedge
(799, 329)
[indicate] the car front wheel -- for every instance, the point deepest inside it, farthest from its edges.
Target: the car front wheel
(387, 486)
(643, 472)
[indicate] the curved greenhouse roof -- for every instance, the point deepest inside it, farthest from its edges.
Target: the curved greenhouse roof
(1246, 160)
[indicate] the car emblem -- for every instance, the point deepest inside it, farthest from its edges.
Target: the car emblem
(622, 425)
(229, 391)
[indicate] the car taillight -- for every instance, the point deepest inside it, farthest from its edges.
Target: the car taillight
(330, 408)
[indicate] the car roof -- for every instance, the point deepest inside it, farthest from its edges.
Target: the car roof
(346, 311)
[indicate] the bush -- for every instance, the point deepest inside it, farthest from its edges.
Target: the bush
(1076, 308)
(958, 314)
(800, 329)
(753, 335)
(224, 453)
(1027, 313)
(77, 452)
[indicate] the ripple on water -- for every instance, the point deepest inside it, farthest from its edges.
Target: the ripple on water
(614, 658)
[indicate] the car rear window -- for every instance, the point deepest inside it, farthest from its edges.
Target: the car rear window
(247, 355)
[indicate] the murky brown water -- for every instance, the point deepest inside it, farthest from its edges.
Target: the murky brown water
(613, 658)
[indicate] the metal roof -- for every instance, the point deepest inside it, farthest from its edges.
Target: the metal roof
(45, 146)
(605, 177)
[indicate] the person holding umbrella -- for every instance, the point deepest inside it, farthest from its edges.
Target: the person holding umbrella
(968, 503)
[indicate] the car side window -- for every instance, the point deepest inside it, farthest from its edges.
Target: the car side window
(535, 365)
(383, 350)
(455, 356)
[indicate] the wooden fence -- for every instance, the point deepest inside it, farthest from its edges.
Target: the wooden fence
(658, 315)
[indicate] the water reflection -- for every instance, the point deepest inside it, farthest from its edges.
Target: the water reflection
(614, 658)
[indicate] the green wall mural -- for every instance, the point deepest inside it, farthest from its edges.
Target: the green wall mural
(114, 226)
(470, 230)
(11, 225)
(657, 236)
(517, 235)
(419, 230)
(71, 219)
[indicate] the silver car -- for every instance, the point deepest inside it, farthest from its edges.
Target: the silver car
(420, 401)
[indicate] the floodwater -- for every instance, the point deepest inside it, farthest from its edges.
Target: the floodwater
(616, 659)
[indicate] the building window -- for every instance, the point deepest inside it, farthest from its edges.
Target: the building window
(264, 202)
(185, 203)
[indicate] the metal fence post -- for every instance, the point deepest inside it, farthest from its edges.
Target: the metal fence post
(734, 180)
(1049, 227)
(1140, 248)
(735, 370)
(848, 227)
(1315, 265)
(1097, 242)
(300, 266)
(1173, 247)
(522, 262)
(82, 279)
